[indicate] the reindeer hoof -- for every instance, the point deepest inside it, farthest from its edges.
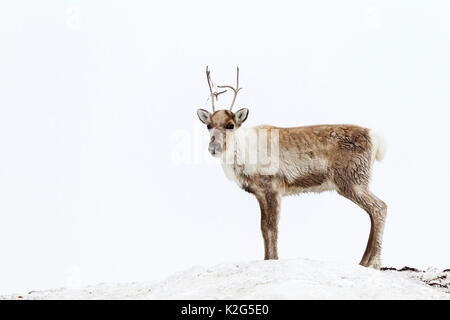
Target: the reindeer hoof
(374, 264)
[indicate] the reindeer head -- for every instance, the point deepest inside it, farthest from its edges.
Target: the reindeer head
(221, 122)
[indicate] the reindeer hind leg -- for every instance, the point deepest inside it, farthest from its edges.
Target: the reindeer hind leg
(377, 210)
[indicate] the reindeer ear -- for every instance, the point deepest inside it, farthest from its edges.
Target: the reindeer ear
(204, 116)
(241, 115)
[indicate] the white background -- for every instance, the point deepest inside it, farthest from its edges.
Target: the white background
(98, 100)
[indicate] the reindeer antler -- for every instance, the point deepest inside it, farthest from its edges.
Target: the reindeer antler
(236, 90)
(213, 94)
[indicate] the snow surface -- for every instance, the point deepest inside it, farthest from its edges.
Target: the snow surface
(282, 279)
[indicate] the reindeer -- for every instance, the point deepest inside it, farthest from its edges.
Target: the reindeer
(302, 159)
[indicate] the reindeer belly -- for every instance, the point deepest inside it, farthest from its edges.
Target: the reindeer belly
(306, 175)
(308, 184)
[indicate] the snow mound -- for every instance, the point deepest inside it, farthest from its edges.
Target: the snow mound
(282, 279)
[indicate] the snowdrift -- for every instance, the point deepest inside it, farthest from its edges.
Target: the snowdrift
(282, 279)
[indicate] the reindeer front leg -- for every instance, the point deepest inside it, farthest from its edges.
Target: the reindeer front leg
(269, 202)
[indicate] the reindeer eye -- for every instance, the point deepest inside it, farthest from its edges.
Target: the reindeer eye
(230, 126)
(208, 126)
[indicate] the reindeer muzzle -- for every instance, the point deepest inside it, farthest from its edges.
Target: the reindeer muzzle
(215, 149)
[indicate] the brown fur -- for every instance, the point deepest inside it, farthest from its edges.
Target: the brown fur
(220, 119)
(311, 180)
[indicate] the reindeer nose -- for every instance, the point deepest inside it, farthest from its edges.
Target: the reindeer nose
(215, 148)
